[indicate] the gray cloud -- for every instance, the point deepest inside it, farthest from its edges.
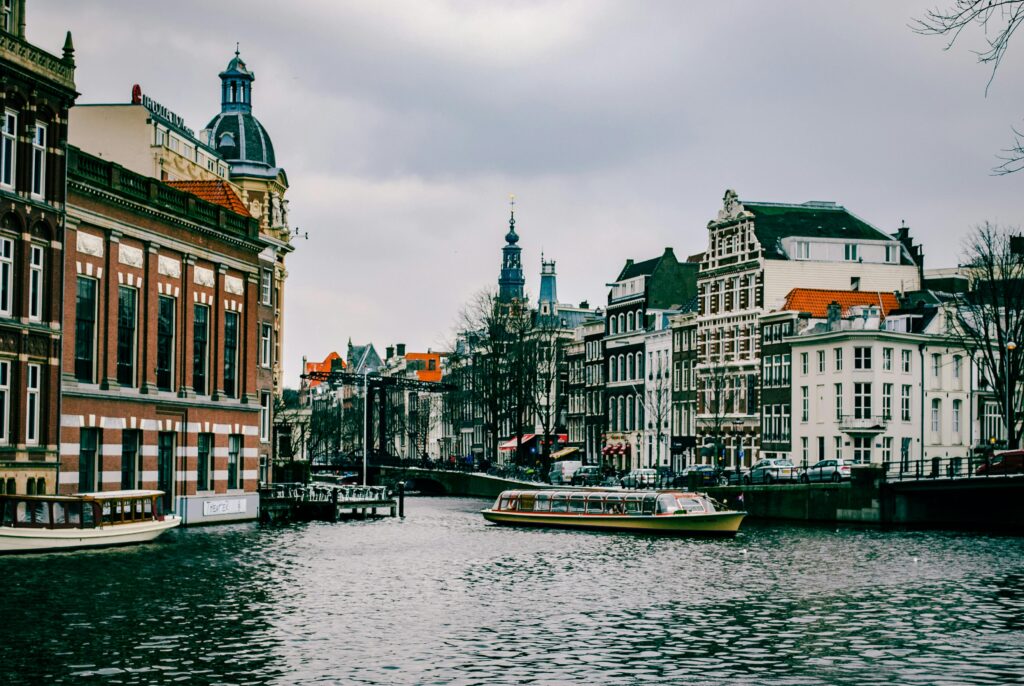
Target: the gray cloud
(404, 125)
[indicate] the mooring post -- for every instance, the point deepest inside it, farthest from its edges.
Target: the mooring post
(334, 504)
(401, 499)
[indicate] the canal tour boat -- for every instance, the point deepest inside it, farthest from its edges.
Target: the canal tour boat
(45, 523)
(663, 512)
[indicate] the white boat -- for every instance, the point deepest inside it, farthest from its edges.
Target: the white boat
(44, 523)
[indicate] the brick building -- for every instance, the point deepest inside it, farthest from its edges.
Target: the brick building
(36, 90)
(160, 360)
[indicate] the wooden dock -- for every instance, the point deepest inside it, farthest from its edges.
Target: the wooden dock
(327, 502)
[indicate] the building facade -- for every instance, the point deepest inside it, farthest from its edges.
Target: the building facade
(159, 363)
(684, 389)
(757, 253)
(36, 91)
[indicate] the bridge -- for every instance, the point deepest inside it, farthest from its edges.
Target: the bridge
(452, 482)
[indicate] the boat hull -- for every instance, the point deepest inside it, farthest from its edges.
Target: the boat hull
(710, 524)
(32, 540)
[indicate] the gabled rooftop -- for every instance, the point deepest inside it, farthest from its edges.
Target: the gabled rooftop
(216, 191)
(815, 219)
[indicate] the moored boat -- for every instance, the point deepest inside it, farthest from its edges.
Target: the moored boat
(44, 523)
(668, 512)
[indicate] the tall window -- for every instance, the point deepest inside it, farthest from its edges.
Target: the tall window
(905, 403)
(264, 417)
(85, 329)
(821, 361)
(850, 252)
(265, 290)
(905, 356)
(862, 400)
(231, 354)
(200, 347)
(8, 148)
(936, 416)
(265, 347)
(39, 161)
(838, 353)
(33, 381)
(839, 401)
(936, 367)
(957, 405)
(165, 343)
(887, 359)
(862, 358)
(887, 400)
(6, 275)
(5, 405)
(887, 449)
(127, 317)
(204, 467)
(862, 449)
(130, 471)
(234, 448)
(958, 363)
(88, 441)
(35, 284)
(838, 447)
(805, 404)
(803, 363)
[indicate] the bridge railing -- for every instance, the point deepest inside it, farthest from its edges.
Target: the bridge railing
(932, 468)
(318, 492)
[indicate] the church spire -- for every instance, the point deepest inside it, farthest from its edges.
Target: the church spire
(511, 281)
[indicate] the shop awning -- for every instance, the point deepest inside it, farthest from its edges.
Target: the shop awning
(564, 452)
(616, 449)
(511, 444)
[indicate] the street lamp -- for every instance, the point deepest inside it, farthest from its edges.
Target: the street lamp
(1010, 347)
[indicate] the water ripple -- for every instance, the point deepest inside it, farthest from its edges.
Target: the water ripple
(440, 598)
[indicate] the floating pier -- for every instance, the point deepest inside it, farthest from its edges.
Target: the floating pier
(327, 502)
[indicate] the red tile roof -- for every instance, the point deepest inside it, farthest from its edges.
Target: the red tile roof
(324, 366)
(815, 301)
(216, 191)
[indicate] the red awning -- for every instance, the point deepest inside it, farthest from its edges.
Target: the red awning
(511, 444)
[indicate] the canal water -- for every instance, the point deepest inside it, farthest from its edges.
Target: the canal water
(442, 598)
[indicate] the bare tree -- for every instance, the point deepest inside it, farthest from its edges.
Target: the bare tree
(998, 20)
(988, 321)
(550, 398)
(718, 397)
(658, 405)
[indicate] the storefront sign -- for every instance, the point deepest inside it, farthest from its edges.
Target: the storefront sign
(212, 508)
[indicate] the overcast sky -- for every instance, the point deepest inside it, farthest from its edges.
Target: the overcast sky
(404, 126)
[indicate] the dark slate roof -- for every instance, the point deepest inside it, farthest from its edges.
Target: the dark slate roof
(775, 221)
(247, 141)
(634, 269)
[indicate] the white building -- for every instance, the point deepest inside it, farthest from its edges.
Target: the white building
(657, 429)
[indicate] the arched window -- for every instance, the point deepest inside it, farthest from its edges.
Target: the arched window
(611, 325)
(613, 370)
(611, 414)
(640, 365)
(639, 411)
(11, 486)
(40, 486)
(629, 321)
(629, 416)
(622, 367)
(622, 323)
(640, 319)
(30, 487)
(622, 414)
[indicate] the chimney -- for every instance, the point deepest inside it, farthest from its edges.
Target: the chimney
(389, 352)
(400, 349)
(834, 312)
(584, 305)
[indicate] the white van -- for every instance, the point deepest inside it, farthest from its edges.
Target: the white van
(562, 471)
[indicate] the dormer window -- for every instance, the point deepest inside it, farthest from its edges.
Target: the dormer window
(803, 250)
(850, 252)
(226, 141)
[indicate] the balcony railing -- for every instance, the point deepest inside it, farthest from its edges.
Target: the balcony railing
(856, 423)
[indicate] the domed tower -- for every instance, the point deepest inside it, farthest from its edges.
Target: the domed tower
(245, 145)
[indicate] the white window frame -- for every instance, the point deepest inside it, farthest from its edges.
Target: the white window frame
(6, 276)
(265, 345)
(266, 289)
(33, 384)
(9, 140)
(5, 402)
(803, 250)
(887, 359)
(838, 358)
(936, 416)
(850, 252)
(265, 417)
(35, 283)
(38, 183)
(907, 362)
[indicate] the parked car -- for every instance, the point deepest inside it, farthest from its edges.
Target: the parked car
(732, 476)
(772, 470)
(1011, 462)
(561, 472)
(589, 475)
(826, 470)
(706, 475)
(640, 478)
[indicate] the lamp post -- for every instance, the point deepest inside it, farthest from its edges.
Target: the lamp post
(1010, 347)
(366, 420)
